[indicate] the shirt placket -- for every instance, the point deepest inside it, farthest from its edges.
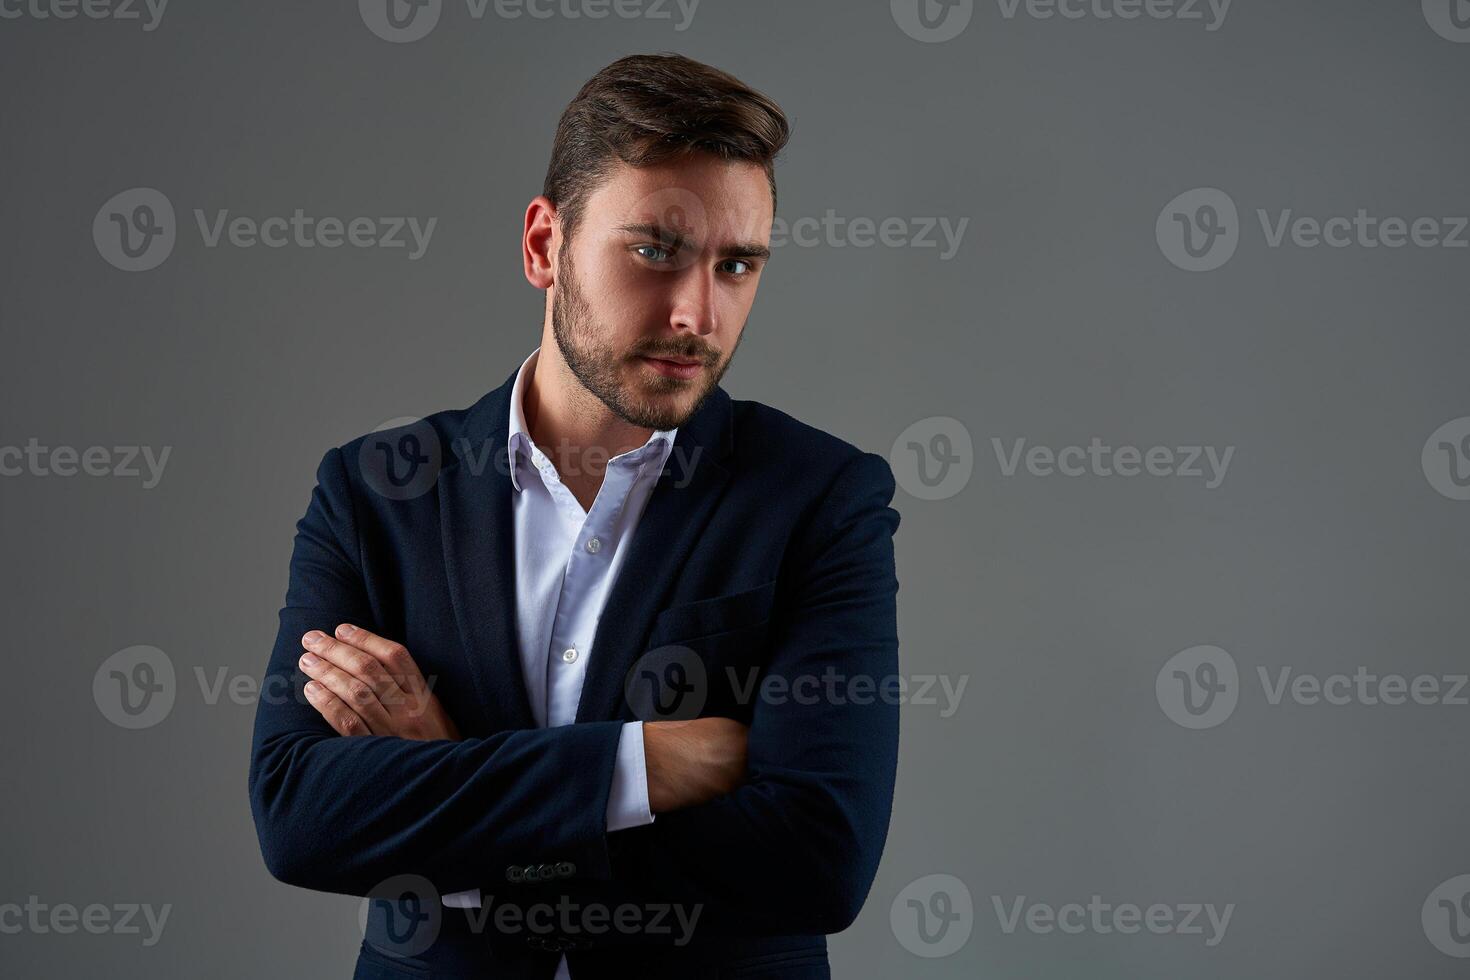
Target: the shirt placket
(587, 566)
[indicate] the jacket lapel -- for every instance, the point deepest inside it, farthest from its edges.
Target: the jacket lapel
(478, 537)
(677, 510)
(478, 532)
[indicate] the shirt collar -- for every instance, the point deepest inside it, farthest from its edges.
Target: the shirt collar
(519, 442)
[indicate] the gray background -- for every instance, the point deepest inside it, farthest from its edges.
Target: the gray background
(1060, 776)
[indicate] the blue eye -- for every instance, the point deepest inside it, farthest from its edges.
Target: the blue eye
(745, 271)
(663, 252)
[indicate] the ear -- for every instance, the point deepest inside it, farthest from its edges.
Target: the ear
(539, 242)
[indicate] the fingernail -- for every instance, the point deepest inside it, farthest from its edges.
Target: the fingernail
(312, 687)
(346, 630)
(307, 660)
(313, 638)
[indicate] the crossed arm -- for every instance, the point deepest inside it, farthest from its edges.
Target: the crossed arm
(363, 684)
(784, 824)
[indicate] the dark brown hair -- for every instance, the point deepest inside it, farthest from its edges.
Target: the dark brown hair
(647, 108)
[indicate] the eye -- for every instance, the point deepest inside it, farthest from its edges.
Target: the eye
(747, 270)
(663, 253)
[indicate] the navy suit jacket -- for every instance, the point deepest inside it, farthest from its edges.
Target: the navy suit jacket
(765, 554)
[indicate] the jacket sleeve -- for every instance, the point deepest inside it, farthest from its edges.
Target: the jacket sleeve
(342, 814)
(795, 848)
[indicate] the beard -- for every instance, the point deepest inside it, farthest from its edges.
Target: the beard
(645, 402)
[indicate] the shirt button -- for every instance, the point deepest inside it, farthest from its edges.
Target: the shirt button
(569, 655)
(594, 545)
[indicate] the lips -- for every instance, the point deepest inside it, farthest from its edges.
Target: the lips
(682, 368)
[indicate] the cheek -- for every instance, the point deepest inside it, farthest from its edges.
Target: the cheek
(634, 304)
(614, 297)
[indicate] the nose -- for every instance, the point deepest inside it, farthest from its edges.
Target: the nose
(693, 301)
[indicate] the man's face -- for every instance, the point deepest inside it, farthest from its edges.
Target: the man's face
(664, 263)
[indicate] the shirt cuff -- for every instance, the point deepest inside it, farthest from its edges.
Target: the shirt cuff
(627, 803)
(463, 900)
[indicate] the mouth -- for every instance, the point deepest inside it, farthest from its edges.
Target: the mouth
(675, 367)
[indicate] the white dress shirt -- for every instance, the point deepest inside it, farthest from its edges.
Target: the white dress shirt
(566, 560)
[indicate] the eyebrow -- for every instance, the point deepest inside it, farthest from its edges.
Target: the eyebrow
(675, 240)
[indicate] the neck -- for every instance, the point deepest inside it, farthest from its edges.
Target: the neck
(568, 422)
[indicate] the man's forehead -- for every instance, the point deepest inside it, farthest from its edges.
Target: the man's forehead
(721, 199)
(697, 226)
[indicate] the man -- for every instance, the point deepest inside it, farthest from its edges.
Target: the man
(589, 678)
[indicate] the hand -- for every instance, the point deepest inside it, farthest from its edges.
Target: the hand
(363, 684)
(692, 762)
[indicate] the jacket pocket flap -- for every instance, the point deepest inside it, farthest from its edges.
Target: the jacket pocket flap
(719, 614)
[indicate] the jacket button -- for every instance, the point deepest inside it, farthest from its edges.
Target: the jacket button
(565, 869)
(515, 873)
(545, 872)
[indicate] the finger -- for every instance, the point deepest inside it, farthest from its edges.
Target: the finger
(356, 663)
(344, 720)
(352, 691)
(393, 656)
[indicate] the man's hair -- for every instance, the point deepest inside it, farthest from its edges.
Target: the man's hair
(647, 108)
